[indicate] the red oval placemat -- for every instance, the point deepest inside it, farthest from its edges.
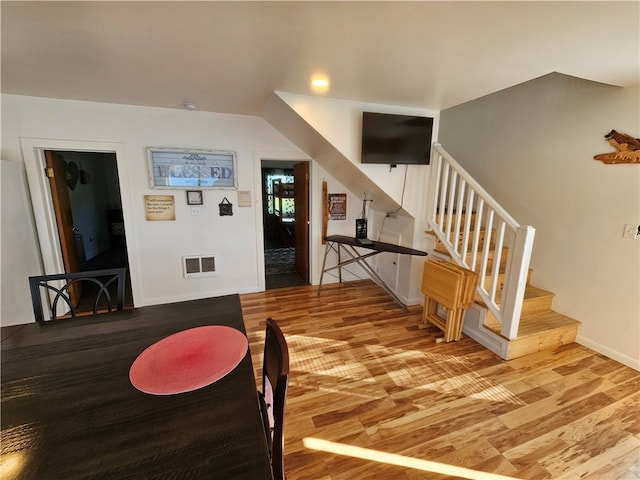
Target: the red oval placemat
(188, 360)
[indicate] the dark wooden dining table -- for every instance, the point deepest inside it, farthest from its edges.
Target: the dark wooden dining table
(69, 410)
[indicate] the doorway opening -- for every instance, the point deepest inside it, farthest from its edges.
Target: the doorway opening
(85, 192)
(285, 201)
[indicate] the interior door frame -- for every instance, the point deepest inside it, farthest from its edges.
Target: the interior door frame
(42, 204)
(284, 156)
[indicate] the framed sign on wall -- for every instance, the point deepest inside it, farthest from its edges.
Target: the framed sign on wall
(338, 206)
(188, 169)
(159, 207)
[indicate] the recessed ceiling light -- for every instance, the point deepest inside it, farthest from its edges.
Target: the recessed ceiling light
(190, 106)
(320, 83)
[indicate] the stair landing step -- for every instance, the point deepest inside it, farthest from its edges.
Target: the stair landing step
(540, 331)
(540, 323)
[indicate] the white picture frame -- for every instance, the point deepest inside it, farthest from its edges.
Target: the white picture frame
(174, 168)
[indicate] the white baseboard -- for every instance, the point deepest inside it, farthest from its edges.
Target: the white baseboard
(604, 350)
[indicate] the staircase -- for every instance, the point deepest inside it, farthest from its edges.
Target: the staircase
(510, 317)
(539, 327)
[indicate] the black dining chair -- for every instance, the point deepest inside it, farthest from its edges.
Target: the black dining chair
(100, 284)
(275, 380)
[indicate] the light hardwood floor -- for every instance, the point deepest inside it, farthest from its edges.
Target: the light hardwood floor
(372, 396)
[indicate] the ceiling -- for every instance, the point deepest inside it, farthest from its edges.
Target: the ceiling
(231, 56)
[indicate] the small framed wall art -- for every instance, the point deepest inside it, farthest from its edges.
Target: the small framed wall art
(189, 169)
(338, 206)
(194, 197)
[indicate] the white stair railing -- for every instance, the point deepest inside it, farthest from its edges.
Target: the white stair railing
(481, 236)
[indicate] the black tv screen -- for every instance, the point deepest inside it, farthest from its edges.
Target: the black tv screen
(396, 139)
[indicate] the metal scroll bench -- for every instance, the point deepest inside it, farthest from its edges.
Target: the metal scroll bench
(339, 243)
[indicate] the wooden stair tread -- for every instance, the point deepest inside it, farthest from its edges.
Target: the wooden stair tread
(440, 248)
(530, 293)
(535, 292)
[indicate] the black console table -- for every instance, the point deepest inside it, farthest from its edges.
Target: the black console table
(339, 243)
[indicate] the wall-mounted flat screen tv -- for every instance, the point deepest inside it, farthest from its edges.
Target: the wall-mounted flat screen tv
(396, 139)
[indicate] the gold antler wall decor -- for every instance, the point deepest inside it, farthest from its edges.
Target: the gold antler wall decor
(627, 149)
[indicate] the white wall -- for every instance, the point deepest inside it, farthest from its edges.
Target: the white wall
(334, 227)
(156, 248)
(532, 146)
(19, 251)
(340, 123)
